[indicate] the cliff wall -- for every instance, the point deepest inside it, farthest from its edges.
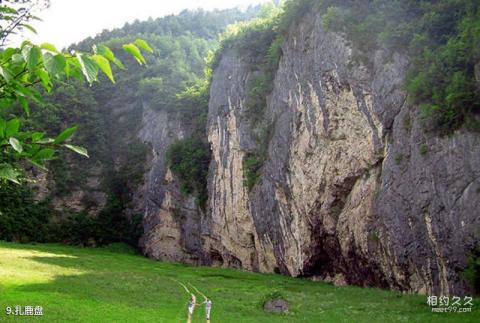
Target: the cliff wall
(354, 189)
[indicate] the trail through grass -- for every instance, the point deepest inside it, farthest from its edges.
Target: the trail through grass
(95, 285)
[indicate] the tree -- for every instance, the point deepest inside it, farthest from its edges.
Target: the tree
(28, 70)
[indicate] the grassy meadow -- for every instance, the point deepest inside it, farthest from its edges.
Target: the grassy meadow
(105, 285)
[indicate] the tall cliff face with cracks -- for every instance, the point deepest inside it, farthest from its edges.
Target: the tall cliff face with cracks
(352, 189)
(171, 219)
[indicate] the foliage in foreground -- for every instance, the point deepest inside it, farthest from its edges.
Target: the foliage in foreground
(21, 69)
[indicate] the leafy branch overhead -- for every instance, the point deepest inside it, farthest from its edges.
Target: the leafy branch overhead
(24, 71)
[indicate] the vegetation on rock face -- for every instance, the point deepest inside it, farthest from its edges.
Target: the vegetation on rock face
(251, 170)
(442, 39)
(189, 160)
(259, 42)
(471, 274)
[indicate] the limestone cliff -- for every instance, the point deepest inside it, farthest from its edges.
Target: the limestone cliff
(171, 219)
(353, 187)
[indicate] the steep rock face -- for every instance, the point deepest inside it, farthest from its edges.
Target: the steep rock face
(352, 185)
(171, 220)
(232, 238)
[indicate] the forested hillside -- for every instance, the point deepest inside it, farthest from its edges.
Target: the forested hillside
(88, 201)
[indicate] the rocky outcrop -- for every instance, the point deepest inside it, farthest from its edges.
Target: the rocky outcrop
(353, 186)
(171, 219)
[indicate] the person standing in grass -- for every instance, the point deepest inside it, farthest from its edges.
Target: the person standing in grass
(191, 307)
(208, 308)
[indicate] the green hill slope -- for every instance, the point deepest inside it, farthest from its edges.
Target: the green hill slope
(98, 285)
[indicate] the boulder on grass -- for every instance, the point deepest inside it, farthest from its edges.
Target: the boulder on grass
(276, 306)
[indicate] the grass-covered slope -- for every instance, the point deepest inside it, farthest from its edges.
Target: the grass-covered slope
(95, 285)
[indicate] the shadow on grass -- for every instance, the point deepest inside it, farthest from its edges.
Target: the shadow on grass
(124, 279)
(129, 288)
(101, 279)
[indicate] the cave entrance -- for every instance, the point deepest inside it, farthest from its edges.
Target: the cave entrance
(216, 258)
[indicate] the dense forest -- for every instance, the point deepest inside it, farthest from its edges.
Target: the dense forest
(173, 79)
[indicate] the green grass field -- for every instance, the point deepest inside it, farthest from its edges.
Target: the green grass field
(95, 285)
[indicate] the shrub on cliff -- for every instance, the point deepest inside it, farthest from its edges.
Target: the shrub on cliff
(472, 272)
(251, 170)
(189, 160)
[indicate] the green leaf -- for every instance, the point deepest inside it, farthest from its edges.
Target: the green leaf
(7, 172)
(36, 136)
(26, 48)
(71, 67)
(24, 104)
(79, 150)
(88, 67)
(38, 165)
(7, 75)
(45, 79)
(33, 58)
(108, 54)
(6, 103)
(119, 64)
(25, 43)
(135, 52)
(143, 45)
(8, 53)
(15, 144)
(65, 134)
(44, 154)
(12, 127)
(30, 93)
(17, 58)
(104, 51)
(104, 65)
(3, 126)
(7, 9)
(29, 27)
(54, 64)
(49, 47)
(45, 141)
